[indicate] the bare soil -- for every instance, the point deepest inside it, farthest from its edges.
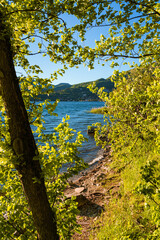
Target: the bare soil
(93, 189)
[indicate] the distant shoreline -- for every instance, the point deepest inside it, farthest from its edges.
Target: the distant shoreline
(76, 92)
(39, 100)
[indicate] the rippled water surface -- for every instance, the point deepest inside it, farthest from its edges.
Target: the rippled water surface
(80, 119)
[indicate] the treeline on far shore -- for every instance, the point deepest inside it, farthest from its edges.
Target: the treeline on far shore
(77, 92)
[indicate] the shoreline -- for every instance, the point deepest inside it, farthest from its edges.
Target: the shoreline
(93, 188)
(96, 166)
(91, 165)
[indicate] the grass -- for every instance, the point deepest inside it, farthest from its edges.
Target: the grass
(100, 110)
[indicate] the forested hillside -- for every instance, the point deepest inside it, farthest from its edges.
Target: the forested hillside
(78, 92)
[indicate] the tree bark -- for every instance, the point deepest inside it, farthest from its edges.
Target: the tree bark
(23, 143)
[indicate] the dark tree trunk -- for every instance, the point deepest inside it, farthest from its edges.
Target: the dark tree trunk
(23, 144)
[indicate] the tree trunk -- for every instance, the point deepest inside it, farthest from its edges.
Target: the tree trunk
(23, 144)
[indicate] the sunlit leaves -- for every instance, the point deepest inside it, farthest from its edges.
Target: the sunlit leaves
(39, 27)
(133, 116)
(45, 28)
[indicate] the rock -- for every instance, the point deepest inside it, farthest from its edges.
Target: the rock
(79, 190)
(101, 176)
(72, 184)
(81, 199)
(91, 130)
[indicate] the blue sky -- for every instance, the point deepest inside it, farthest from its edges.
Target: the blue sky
(76, 75)
(81, 74)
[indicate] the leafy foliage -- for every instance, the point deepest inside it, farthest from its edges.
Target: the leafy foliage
(132, 119)
(57, 150)
(133, 123)
(38, 27)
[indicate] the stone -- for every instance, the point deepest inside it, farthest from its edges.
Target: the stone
(81, 200)
(79, 190)
(91, 130)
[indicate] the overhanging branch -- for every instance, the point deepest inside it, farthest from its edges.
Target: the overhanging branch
(129, 19)
(125, 56)
(148, 6)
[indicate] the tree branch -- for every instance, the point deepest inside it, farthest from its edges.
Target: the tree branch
(50, 16)
(36, 53)
(26, 10)
(34, 35)
(19, 230)
(144, 5)
(126, 56)
(112, 24)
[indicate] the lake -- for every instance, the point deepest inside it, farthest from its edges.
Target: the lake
(80, 119)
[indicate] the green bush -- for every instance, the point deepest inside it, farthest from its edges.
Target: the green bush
(133, 116)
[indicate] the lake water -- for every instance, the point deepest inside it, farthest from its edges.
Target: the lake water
(80, 119)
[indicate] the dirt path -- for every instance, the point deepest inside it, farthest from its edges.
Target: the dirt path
(93, 189)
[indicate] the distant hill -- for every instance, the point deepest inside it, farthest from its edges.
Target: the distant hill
(102, 82)
(78, 92)
(61, 86)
